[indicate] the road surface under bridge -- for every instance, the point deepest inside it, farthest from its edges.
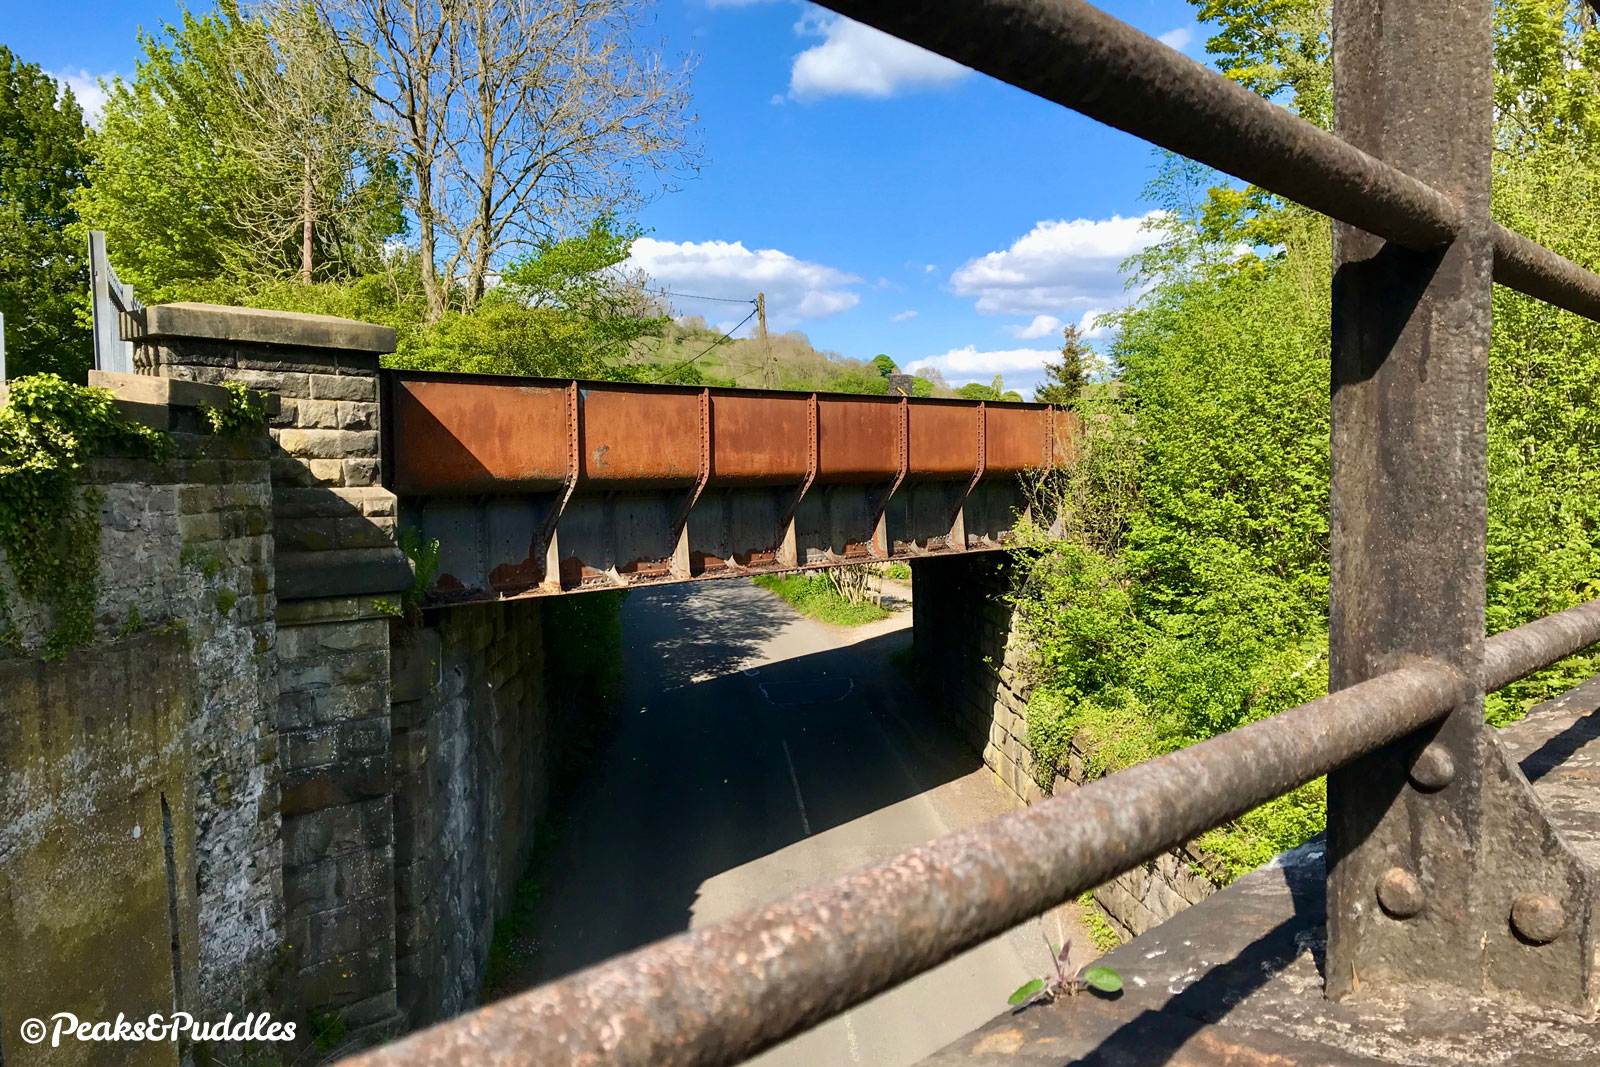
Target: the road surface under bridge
(537, 487)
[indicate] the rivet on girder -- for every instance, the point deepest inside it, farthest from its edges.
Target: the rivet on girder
(1538, 917)
(1434, 768)
(1399, 893)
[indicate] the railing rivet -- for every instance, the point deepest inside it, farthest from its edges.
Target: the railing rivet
(1538, 917)
(1399, 893)
(1434, 768)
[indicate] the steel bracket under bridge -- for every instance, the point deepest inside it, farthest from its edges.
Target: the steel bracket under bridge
(538, 486)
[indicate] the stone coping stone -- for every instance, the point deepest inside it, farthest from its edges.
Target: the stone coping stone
(147, 390)
(341, 573)
(215, 322)
(1237, 979)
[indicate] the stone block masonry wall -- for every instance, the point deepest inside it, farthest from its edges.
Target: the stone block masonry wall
(333, 525)
(473, 750)
(335, 522)
(185, 550)
(967, 648)
(338, 807)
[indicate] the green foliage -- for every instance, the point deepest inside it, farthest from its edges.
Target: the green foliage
(1189, 595)
(424, 557)
(49, 528)
(1100, 932)
(1067, 981)
(43, 274)
(1105, 979)
(328, 1030)
(225, 600)
(133, 623)
(883, 365)
(1026, 992)
(242, 415)
(181, 187)
(995, 391)
(1064, 381)
(583, 647)
(812, 594)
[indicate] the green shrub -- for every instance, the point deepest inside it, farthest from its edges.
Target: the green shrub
(814, 595)
(49, 525)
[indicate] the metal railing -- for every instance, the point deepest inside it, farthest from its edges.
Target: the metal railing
(110, 299)
(1422, 886)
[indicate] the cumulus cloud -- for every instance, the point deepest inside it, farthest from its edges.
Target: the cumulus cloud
(857, 60)
(962, 365)
(86, 88)
(1039, 327)
(796, 289)
(1056, 269)
(1178, 38)
(903, 316)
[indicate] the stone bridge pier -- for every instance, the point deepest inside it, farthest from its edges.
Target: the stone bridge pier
(257, 787)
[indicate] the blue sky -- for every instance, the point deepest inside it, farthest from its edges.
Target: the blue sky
(883, 198)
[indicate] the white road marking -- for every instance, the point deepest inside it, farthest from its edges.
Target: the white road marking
(850, 1036)
(805, 823)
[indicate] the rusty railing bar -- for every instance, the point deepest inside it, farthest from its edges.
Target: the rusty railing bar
(719, 995)
(1529, 267)
(1076, 55)
(1533, 646)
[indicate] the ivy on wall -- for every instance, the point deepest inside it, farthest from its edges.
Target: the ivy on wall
(49, 525)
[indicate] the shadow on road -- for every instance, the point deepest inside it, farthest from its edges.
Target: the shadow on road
(703, 776)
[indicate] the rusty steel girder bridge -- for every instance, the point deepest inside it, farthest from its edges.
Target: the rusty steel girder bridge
(536, 487)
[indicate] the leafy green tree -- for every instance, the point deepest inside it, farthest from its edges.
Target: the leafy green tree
(1191, 593)
(43, 273)
(1064, 380)
(201, 161)
(564, 310)
(885, 366)
(994, 391)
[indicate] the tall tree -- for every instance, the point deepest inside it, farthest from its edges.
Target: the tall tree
(201, 160)
(43, 274)
(308, 132)
(1064, 380)
(517, 119)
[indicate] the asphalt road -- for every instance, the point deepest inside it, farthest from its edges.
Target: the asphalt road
(759, 752)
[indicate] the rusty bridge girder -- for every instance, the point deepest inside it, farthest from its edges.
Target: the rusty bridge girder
(536, 486)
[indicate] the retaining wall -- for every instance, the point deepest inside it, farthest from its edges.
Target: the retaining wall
(256, 785)
(968, 651)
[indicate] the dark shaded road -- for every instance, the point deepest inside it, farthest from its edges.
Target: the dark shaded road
(759, 752)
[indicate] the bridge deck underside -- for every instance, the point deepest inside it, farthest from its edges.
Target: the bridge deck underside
(541, 487)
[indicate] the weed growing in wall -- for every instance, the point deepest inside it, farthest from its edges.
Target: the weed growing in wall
(243, 415)
(49, 526)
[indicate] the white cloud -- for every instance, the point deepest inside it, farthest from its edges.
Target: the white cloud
(1057, 268)
(857, 60)
(903, 316)
(961, 365)
(796, 289)
(1178, 38)
(86, 88)
(1094, 324)
(1039, 327)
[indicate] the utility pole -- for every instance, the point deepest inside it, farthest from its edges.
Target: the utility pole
(769, 371)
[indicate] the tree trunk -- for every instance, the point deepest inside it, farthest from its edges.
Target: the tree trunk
(307, 216)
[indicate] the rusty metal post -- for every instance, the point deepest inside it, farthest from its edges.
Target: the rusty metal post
(1432, 839)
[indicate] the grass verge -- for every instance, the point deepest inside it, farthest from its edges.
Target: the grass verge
(812, 595)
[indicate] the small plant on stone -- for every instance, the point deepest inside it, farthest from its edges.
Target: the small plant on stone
(1066, 982)
(244, 414)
